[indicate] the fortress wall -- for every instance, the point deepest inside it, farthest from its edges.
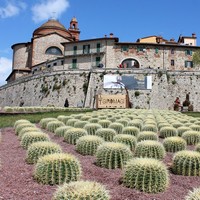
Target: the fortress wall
(52, 88)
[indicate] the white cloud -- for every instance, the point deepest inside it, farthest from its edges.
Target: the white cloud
(12, 9)
(5, 69)
(49, 8)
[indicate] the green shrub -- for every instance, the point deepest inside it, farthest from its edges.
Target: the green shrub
(87, 145)
(106, 133)
(118, 127)
(174, 144)
(129, 140)
(186, 163)
(39, 149)
(91, 128)
(73, 134)
(168, 131)
(150, 127)
(43, 122)
(57, 168)
(131, 130)
(146, 174)
(81, 190)
(193, 195)
(150, 149)
(53, 125)
(60, 131)
(80, 124)
(182, 129)
(191, 137)
(104, 123)
(112, 155)
(147, 135)
(31, 137)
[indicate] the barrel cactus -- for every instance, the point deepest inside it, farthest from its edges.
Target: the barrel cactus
(168, 131)
(123, 121)
(71, 122)
(146, 174)
(106, 133)
(43, 122)
(150, 127)
(195, 127)
(193, 195)
(136, 123)
(38, 149)
(197, 147)
(131, 130)
(191, 137)
(147, 135)
(60, 131)
(91, 128)
(186, 163)
(57, 168)
(20, 126)
(20, 121)
(80, 124)
(129, 140)
(104, 123)
(31, 137)
(87, 145)
(93, 120)
(26, 130)
(150, 149)
(118, 127)
(112, 155)
(63, 118)
(85, 117)
(81, 190)
(53, 125)
(183, 129)
(174, 144)
(73, 134)
(177, 124)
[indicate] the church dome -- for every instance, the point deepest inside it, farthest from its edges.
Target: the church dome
(52, 26)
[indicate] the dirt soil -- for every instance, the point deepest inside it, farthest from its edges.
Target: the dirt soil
(17, 183)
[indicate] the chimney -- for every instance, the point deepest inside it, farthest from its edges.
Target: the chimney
(172, 40)
(111, 35)
(193, 35)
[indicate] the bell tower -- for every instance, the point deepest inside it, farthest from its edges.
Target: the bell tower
(73, 29)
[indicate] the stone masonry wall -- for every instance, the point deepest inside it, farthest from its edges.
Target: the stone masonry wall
(52, 88)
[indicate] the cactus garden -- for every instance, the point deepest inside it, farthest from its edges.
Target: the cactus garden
(106, 154)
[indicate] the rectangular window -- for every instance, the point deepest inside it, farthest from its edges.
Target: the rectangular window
(75, 50)
(86, 49)
(125, 48)
(172, 62)
(98, 47)
(74, 63)
(156, 50)
(188, 64)
(54, 64)
(98, 59)
(140, 49)
(188, 52)
(172, 51)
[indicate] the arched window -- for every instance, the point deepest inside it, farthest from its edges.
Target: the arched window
(130, 63)
(53, 51)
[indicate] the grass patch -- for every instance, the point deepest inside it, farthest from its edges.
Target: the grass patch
(193, 114)
(8, 120)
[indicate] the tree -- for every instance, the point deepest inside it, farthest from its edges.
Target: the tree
(196, 58)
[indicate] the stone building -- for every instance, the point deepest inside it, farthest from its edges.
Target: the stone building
(56, 64)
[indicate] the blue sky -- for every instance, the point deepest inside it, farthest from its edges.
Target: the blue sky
(126, 19)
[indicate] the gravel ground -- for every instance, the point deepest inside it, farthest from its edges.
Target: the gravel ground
(17, 183)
